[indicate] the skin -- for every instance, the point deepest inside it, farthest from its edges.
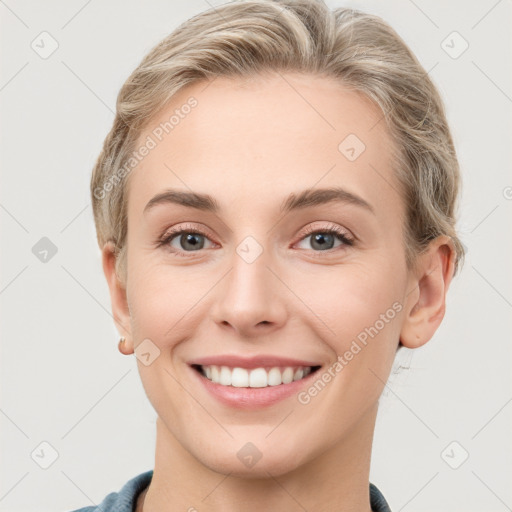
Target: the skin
(250, 144)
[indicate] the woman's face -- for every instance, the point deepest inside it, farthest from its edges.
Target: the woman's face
(262, 277)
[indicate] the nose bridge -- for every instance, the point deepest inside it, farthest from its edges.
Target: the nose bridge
(249, 284)
(249, 295)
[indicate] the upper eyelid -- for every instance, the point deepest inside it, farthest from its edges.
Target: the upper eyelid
(204, 231)
(331, 227)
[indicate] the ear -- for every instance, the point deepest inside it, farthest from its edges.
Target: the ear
(120, 309)
(426, 295)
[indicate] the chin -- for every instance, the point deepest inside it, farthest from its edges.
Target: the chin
(249, 462)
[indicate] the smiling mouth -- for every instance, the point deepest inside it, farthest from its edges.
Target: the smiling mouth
(254, 377)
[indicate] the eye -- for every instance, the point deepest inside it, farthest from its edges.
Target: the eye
(186, 239)
(323, 239)
(183, 240)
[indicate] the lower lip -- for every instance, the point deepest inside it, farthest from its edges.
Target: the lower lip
(253, 398)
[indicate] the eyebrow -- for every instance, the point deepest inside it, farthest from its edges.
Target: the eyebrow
(319, 196)
(305, 199)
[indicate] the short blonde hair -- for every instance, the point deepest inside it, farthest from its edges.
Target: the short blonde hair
(248, 37)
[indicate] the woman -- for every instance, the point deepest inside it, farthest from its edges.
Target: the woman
(275, 205)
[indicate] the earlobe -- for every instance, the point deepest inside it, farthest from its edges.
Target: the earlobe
(118, 298)
(124, 347)
(426, 301)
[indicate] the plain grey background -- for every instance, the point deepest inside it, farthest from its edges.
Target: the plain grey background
(63, 381)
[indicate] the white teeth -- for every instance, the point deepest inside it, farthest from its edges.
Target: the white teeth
(299, 373)
(225, 376)
(274, 377)
(239, 378)
(258, 378)
(254, 378)
(287, 375)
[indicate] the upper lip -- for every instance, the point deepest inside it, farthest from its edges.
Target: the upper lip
(260, 361)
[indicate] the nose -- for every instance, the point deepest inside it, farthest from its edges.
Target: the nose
(250, 299)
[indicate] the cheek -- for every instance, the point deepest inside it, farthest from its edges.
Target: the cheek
(163, 300)
(358, 305)
(362, 312)
(161, 307)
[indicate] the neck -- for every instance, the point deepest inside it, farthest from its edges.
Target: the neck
(334, 480)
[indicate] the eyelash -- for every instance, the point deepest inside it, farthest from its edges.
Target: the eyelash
(331, 230)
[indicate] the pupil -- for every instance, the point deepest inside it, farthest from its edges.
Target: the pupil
(321, 240)
(189, 238)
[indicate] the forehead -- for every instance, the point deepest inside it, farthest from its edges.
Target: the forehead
(243, 140)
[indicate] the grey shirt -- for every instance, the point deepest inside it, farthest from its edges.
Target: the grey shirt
(126, 499)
